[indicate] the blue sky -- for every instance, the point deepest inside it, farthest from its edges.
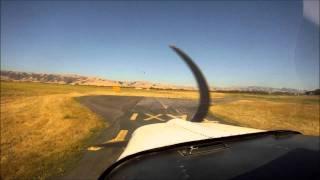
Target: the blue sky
(235, 43)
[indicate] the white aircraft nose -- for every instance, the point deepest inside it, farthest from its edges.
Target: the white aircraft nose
(178, 131)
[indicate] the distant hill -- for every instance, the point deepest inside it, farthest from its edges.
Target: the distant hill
(260, 90)
(314, 92)
(74, 79)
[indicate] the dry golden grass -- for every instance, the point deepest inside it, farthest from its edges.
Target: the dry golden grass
(40, 133)
(44, 129)
(272, 112)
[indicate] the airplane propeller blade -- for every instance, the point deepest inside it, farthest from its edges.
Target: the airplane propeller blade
(204, 100)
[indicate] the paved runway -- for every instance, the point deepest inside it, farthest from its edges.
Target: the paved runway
(124, 114)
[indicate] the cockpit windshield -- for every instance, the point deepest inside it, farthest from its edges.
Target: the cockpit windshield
(86, 84)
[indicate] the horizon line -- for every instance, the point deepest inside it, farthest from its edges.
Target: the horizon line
(164, 83)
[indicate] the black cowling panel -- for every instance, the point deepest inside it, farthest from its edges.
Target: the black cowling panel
(264, 156)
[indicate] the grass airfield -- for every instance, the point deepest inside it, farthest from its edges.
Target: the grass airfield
(271, 112)
(44, 130)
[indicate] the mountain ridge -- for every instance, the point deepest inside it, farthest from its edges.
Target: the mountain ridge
(75, 79)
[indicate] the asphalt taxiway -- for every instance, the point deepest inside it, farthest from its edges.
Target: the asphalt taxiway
(124, 114)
